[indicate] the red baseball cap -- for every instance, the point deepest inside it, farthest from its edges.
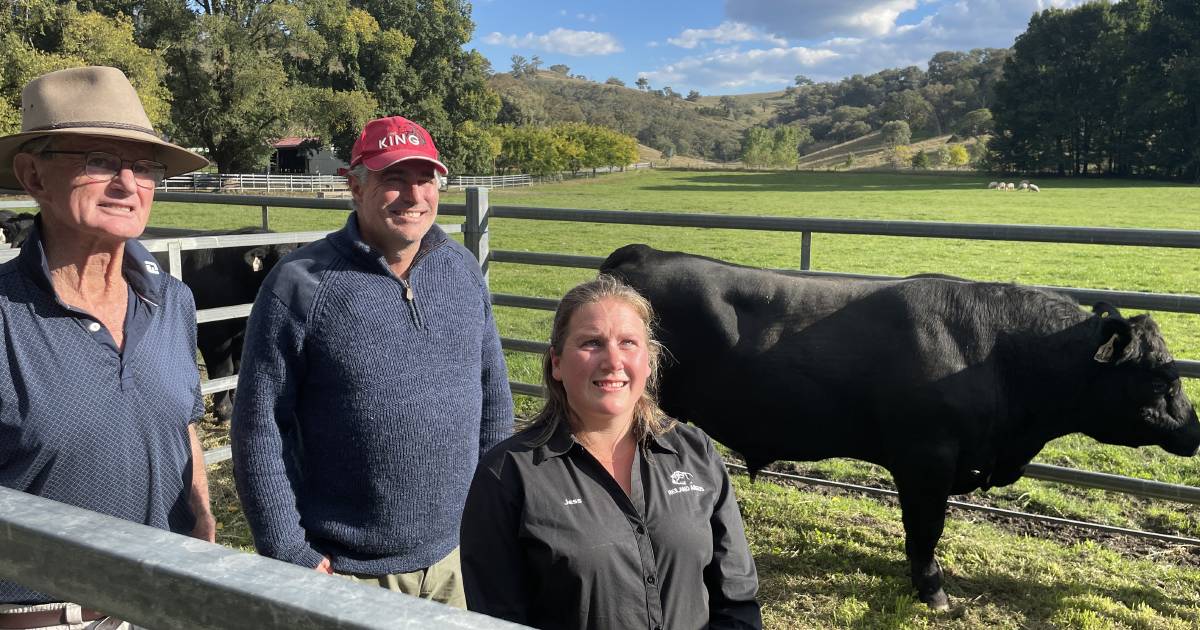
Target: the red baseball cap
(386, 141)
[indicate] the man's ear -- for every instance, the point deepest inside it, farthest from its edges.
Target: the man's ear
(25, 168)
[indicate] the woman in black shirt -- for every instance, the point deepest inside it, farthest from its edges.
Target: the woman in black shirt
(604, 513)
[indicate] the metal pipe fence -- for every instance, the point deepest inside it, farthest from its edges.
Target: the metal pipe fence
(157, 579)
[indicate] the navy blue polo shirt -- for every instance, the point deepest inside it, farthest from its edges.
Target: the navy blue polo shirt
(84, 423)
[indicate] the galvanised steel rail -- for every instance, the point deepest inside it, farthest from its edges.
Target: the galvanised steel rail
(925, 229)
(157, 579)
(1178, 540)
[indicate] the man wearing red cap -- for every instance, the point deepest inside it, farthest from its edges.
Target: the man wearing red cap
(372, 382)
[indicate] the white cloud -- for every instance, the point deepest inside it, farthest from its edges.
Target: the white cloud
(855, 37)
(811, 19)
(586, 17)
(727, 32)
(731, 68)
(560, 40)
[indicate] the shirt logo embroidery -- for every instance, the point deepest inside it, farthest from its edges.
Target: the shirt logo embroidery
(683, 483)
(151, 267)
(572, 501)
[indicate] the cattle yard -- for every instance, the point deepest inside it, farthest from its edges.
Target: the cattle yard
(832, 558)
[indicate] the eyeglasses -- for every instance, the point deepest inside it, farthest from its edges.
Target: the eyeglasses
(103, 167)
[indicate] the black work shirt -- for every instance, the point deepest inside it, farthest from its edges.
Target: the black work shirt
(550, 540)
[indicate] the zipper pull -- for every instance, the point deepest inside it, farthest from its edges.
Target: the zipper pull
(408, 294)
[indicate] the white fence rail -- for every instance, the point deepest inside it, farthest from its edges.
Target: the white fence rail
(237, 182)
(489, 181)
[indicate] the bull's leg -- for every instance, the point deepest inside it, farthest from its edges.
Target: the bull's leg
(216, 344)
(923, 494)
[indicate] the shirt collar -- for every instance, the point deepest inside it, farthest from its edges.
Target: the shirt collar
(561, 443)
(350, 240)
(138, 266)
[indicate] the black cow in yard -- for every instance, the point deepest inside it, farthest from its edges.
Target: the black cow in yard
(15, 227)
(226, 276)
(950, 385)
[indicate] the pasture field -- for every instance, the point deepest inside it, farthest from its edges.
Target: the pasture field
(837, 561)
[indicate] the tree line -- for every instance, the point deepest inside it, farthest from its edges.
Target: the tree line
(1103, 88)
(953, 95)
(233, 76)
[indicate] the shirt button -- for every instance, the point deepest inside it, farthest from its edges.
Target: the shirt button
(649, 579)
(94, 327)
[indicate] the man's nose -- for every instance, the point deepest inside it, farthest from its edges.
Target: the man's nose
(125, 178)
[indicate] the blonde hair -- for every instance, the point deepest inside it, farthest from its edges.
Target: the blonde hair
(649, 419)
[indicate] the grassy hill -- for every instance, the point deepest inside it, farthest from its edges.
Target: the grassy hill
(656, 120)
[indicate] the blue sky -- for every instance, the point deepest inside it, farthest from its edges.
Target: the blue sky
(741, 46)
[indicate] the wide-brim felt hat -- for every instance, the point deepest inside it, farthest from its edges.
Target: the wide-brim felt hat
(90, 101)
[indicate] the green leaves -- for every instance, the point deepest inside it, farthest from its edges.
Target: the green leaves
(233, 76)
(572, 146)
(1103, 88)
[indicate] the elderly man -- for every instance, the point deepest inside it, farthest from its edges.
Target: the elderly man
(98, 382)
(372, 381)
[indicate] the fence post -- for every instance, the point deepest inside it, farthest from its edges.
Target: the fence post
(475, 232)
(265, 220)
(175, 259)
(805, 251)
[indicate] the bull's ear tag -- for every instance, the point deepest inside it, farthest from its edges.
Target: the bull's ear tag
(257, 264)
(1105, 353)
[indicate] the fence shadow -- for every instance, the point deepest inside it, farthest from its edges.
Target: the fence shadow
(808, 181)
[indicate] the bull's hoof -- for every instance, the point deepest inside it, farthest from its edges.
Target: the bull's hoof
(936, 600)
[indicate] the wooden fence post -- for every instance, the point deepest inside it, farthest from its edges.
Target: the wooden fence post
(805, 251)
(475, 232)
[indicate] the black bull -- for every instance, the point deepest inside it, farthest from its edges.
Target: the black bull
(220, 277)
(950, 385)
(225, 276)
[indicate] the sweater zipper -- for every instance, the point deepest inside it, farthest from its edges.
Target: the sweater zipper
(411, 298)
(409, 295)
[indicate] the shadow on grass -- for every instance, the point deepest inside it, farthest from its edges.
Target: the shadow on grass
(878, 182)
(831, 573)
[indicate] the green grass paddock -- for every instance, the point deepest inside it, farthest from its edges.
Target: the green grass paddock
(833, 562)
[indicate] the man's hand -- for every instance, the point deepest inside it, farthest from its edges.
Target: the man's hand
(206, 527)
(325, 566)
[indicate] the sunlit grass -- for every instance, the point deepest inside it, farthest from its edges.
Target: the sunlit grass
(837, 562)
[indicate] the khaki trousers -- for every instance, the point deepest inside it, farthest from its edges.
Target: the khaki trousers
(441, 582)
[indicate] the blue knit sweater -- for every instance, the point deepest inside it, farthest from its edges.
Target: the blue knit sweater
(365, 402)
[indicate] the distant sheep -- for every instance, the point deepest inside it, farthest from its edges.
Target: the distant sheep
(1033, 188)
(1024, 184)
(993, 185)
(1010, 186)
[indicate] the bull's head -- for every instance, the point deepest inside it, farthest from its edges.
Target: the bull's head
(264, 257)
(1141, 398)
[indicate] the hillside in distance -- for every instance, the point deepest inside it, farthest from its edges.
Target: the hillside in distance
(952, 97)
(665, 121)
